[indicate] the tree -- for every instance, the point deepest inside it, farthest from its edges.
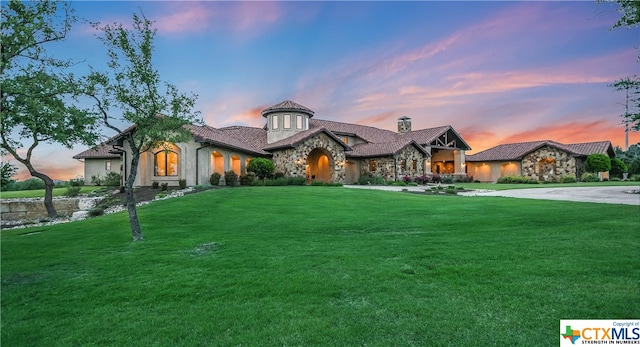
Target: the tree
(631, 87)
(629, 18)
(629, 13)
(261, 167)
(36, 94)
(618, 167)
(597, 163)
(158, 112)
(6, 173)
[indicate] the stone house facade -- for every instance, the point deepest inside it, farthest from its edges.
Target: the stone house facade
(537, 160)
(298, 145)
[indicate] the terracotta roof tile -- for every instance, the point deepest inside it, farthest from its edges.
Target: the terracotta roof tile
(287, 105)
(240, 139)
(367, 133)
(293, 140)
(101, 151)
(515, 151)
(382, 149)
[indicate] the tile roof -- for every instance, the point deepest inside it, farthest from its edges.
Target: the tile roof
(515, 151)
(101, 151)
(293, 140)
(367, 133)
(383, 149)
(240, 138)
(586, 148)
(287, 105)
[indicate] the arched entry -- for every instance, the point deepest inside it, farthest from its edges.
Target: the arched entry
(217, 162)
(319, 165)
(234, 164)
(546, 168)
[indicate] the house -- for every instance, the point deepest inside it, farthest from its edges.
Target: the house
(99, 161)
(544, 160)
(298, 145)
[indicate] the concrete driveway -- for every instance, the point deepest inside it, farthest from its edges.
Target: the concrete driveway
(604, 195)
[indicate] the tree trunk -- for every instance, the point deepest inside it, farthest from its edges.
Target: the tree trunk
(136, 231)
(48, 192)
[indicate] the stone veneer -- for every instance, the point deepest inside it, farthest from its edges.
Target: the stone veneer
(388, 167)
(292, 161)
(564, 164)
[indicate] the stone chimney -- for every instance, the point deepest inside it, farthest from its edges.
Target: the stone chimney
(404, 125)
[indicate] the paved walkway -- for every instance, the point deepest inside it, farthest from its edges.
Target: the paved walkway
(604, 195)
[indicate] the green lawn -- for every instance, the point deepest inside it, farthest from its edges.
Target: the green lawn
(39, 193)
(322, 266)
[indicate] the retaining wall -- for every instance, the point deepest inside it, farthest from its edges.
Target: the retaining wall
(25, 209)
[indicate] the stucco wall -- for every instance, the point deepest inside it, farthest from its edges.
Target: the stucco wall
(96, 167)
(491, 171)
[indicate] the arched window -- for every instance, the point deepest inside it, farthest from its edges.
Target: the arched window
(166, 163)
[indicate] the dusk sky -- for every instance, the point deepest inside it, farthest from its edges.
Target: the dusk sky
(498, 72)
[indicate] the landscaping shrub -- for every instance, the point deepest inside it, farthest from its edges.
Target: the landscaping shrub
(279, 175)
(407, 179)
(413, 184)
(261, 167)
(96, 180)
(247, 179)
(297, 181)
(435, 178)
(399, 183)
(589, 177)
(164, 186)
(96, 211)
(155, 185)
(533, 181)
(214, 179)
(422, 179)
(451, 190)
(618, 167)
(570, 178)
(73, 191)
(368, 179)
(112, 179)
(446, 179)
(74, 182)
(597, 162)
(513, 179)
(182, 183)
(634, 178)
(231, 178)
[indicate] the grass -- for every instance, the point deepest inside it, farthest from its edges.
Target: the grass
(322, 266)
(39, 193)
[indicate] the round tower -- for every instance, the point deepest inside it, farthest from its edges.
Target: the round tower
(286, 119)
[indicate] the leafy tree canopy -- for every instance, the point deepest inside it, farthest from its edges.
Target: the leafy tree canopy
(597, 163)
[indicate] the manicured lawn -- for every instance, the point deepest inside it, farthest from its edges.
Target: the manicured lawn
(39, 193)
(322, 266)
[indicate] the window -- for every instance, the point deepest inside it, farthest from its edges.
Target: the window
(298, 121)
(414, 165)
(107, 165)
(274, 122)
(345, 140)
(287, 121)
(372, 165)
(166, 163)
(306, 123)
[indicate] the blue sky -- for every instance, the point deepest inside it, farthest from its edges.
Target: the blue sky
(498, 72)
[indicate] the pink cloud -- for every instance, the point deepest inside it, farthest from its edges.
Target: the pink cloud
(187, 17)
